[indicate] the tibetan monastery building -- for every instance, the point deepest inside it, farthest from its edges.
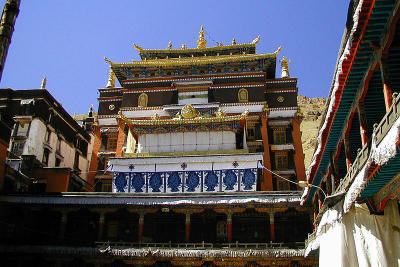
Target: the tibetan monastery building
(195, 162)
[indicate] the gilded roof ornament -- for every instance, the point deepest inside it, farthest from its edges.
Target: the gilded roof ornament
(233, 41)
(169, 45)
(220, 113)
(107, 60)
(201, 42)
(183, 46)
(155, 117)
(285, 67)
(256, 40)
(43, 84)
(189, 112)
(138, 48)
(111, 79)
(278, 50)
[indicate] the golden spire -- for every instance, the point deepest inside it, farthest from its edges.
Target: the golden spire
(169, 45)
(233, 41)
(43, 85)
(111, 79)
(285, 67)
(201, 43)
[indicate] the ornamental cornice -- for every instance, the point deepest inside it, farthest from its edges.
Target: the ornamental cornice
(194, 60)
(196, 79)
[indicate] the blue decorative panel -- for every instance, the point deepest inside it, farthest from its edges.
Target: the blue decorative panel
(120, 182)
(230, 180)
(248, 179)
(211, 181)
(155, 182)
(185, 181)
(192, 181)
(174, 181)
(137, 182)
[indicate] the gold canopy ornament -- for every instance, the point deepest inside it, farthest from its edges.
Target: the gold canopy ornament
(189, 112)
(201, 43)
(111, 79)
(285, 67)
(256, 40)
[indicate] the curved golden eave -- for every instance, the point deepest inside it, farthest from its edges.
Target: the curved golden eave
(195, 60)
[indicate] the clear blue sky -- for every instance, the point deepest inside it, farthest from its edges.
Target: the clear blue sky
(67, 40)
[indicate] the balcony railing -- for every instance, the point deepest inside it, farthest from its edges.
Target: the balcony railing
(201, 245)
(380, 131)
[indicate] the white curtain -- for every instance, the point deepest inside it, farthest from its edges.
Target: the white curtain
(360, 239)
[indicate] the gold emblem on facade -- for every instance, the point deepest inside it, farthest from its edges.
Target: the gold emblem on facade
(280, 99)
(189, 112)
(111, 107)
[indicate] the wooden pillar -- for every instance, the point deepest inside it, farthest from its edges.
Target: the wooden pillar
(387, 90)
(229, 226)
(63, 224)
(120, 138)
(363, 123)
(347, 151)
(187, 227)
(272, 225)
(141, 225)
(298, 148)
(101, 225)
(94, 158)
(266, 184)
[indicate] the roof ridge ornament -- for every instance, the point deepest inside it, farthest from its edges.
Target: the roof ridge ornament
(233, 41)
(107, 60)
(138, 48)
(43, 84)
(256, 40)
(285, 67)
(201, 42)
(169, 45)
(111, 79)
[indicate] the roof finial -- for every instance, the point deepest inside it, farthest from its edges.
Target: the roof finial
(44, 81)
(138, 48)
(111, 79)
(285, 67)
(90, 114)
(201, 43)
(256, 40)
(233, 41)
(169, 45)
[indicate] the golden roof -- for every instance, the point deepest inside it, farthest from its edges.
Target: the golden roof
(194, 60)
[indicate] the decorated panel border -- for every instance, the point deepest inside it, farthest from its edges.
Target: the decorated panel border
(230, 180)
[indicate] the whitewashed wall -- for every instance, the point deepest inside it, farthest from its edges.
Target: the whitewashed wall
(187, 141)
(34, 142)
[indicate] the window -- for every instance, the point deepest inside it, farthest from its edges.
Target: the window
(58, 162)
(17, 148)
(283, 185)
(76, 161)
(47, 136)
(58, 145)
(45, 159)
(279, 136)
(112, 142)
(22, 129)
(281, 160)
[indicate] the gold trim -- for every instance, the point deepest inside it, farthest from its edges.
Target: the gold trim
(205, 49)
(179, 119)
(186, 153)
(194, 60)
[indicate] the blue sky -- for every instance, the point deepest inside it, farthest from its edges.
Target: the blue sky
(67, 40)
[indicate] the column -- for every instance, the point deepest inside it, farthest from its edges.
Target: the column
(363, 123)
(187, 227)
(141, 225)
(347, 151)
(387, 90)
(229, 226)
(94, 157)
(266, 184)
(272, 225)
(101, 225)
(120, 138)
(298, 148)
(63, 224)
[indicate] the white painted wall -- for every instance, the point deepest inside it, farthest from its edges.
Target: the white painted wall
(187, 141)
(34, 142)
